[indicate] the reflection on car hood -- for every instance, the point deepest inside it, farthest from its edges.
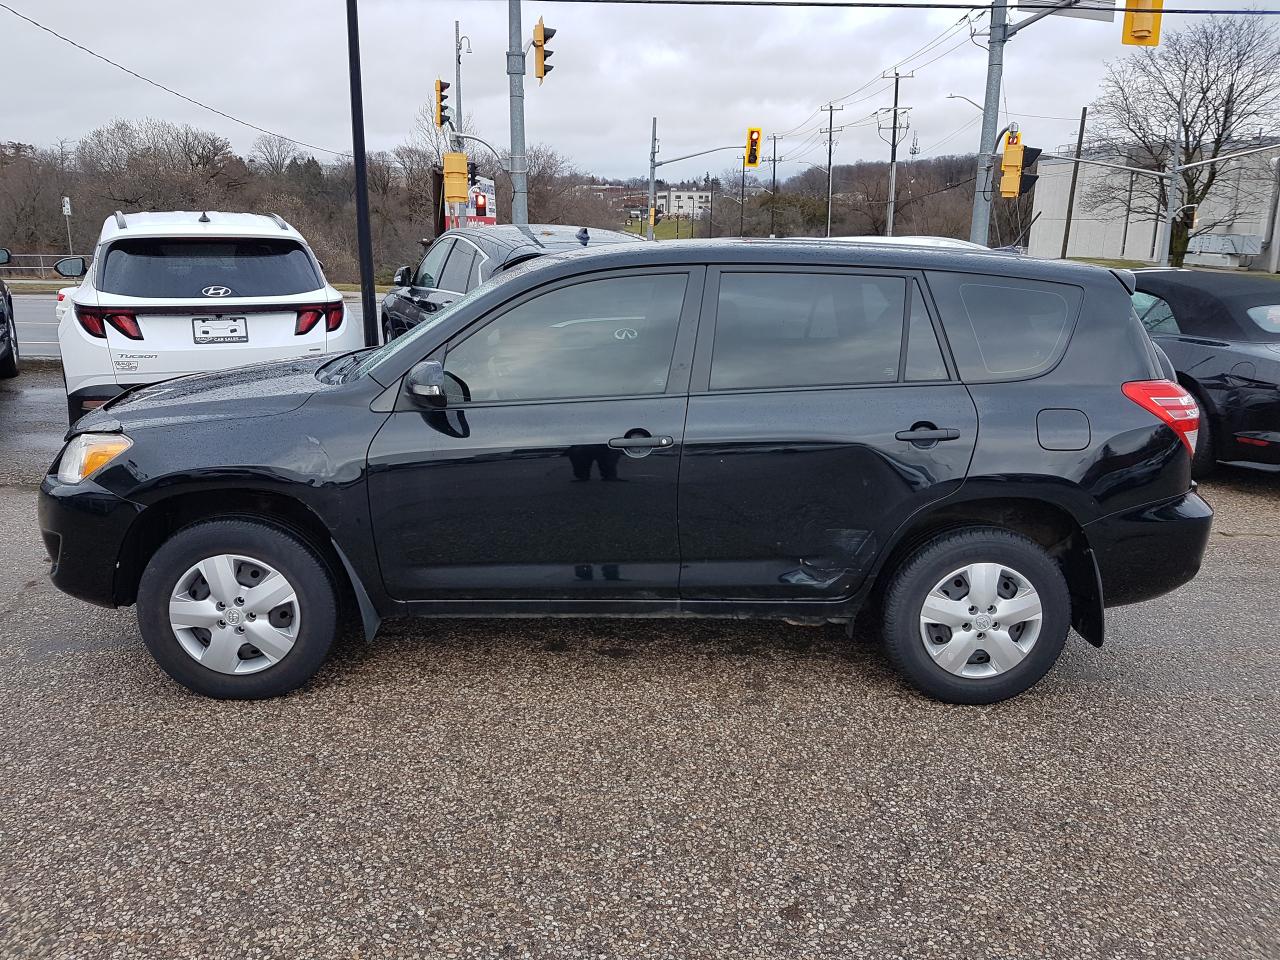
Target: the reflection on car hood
(258, 390)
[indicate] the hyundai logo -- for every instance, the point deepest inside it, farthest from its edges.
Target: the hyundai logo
(216, 291)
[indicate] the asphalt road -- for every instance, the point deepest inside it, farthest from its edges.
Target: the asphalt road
(38, 330)
(690, 789)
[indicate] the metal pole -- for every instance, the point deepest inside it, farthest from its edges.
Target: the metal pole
(653, 180)
(457, 74)
(1071, 193)
(364, 237)
(980, 224)
(1128, 213)
(831, 109)
(742, 199)
(773, 194)
(711, 221)
(893, 160)
(1172, 196)
(70, 249)
(515, 73)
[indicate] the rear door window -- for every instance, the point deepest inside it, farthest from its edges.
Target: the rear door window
(1005, 328)
(924, 356)
(789, 329)
(180, 268)
(432, 265)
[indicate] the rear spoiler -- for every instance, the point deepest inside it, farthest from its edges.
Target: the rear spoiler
(1127, 279)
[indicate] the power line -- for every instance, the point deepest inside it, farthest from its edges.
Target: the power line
(170, 90)
(890, 5)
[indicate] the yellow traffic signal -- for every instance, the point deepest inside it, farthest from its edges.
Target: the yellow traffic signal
(1014, 182)
(1142, 27)
(455, 178)
(541, 34)
(442, 112)
(752, 156)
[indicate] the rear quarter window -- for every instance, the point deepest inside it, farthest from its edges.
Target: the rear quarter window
(1005, 328)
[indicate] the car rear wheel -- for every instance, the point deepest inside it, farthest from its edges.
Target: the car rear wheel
(976, 616)
(237, 609)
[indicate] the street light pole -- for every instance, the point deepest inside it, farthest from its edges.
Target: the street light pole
(742, 198)
(979, 227)
(515, 74)
(364, 236)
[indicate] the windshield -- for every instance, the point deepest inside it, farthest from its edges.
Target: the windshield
(411, 342)
(181, 268)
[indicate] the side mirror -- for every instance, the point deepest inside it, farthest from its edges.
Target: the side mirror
(71, 267)
(5, 256)
(425, 383)
(402, 277)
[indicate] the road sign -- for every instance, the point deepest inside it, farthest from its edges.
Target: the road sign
(1085, 9)
(66, 206)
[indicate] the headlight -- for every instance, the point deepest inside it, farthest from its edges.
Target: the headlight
(89, 452)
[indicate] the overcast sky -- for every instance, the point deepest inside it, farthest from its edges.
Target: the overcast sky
(707, 74)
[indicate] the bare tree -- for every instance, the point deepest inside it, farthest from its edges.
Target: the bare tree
(273, 154)
(1207, 90)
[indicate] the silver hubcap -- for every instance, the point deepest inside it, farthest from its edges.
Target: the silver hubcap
(234, 614)
(981, 621)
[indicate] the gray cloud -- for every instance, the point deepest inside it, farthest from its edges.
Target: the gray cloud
(706, 73)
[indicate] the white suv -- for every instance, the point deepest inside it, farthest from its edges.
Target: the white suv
(174, 293)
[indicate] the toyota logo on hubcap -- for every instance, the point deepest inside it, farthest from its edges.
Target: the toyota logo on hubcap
(216, 291)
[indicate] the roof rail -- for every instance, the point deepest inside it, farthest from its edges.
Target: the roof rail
(120, 220)
(279, 221)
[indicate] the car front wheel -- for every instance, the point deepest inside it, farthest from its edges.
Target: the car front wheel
(237, 609)
(11, 363)
(976, 616)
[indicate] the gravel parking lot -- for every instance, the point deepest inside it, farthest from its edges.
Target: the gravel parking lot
(638, 789)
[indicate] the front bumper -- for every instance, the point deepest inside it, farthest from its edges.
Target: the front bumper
(84, 527)
(1149, 551)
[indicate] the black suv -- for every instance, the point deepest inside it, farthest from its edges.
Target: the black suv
(977, 449)
(10, 361)
(460, 260)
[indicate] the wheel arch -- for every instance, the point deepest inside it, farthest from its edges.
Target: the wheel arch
(1048, 524)
(163, 518)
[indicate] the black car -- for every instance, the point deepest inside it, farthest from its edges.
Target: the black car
(1222, 334)
(978, 449)
(10, 362)
(460, 260)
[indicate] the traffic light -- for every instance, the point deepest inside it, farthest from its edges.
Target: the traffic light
(442, 112)
(455, 178)
(1013, 181)
(752, 157)
(471, 173)
(541, 34)
(1142, 26)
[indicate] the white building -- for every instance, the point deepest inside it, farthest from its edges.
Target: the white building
(1243, 208)
(693, 204)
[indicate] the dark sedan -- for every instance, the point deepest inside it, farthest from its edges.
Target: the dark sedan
(1222, 333)
(9, 360)
(460, 260)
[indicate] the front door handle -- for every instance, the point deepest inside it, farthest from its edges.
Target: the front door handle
(640, 443)
(928, 434)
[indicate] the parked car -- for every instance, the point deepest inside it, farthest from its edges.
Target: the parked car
(1222, 333)
(10, 358)
(976, 448)
(174, 293)
(460, 260)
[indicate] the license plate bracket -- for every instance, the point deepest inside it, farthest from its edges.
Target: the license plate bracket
(220, 330)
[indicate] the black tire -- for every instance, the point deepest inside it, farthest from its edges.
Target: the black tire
(11, 363)
(388, 334)
(1204, 463)
(924, 569)
(294, 559)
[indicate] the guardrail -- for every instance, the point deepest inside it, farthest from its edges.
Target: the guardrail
(33, 266)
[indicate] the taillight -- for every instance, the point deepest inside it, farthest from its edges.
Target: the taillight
(61, 296)
(1171, 403)
(95, 322)
(309, 316)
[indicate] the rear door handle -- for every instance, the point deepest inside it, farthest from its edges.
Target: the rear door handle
(925, 435)
(640, 443)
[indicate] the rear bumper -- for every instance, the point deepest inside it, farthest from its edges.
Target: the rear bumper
(83, 527)
(1149, 551)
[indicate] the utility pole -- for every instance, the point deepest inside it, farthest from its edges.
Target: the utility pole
(773, 194)
(1071, 193)
(831, 108)
(979, 227)
(457, 72)
(893, 154)
(515, 73)
(742, 199)
(653, 180)
(364, 236)
(711, 218)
